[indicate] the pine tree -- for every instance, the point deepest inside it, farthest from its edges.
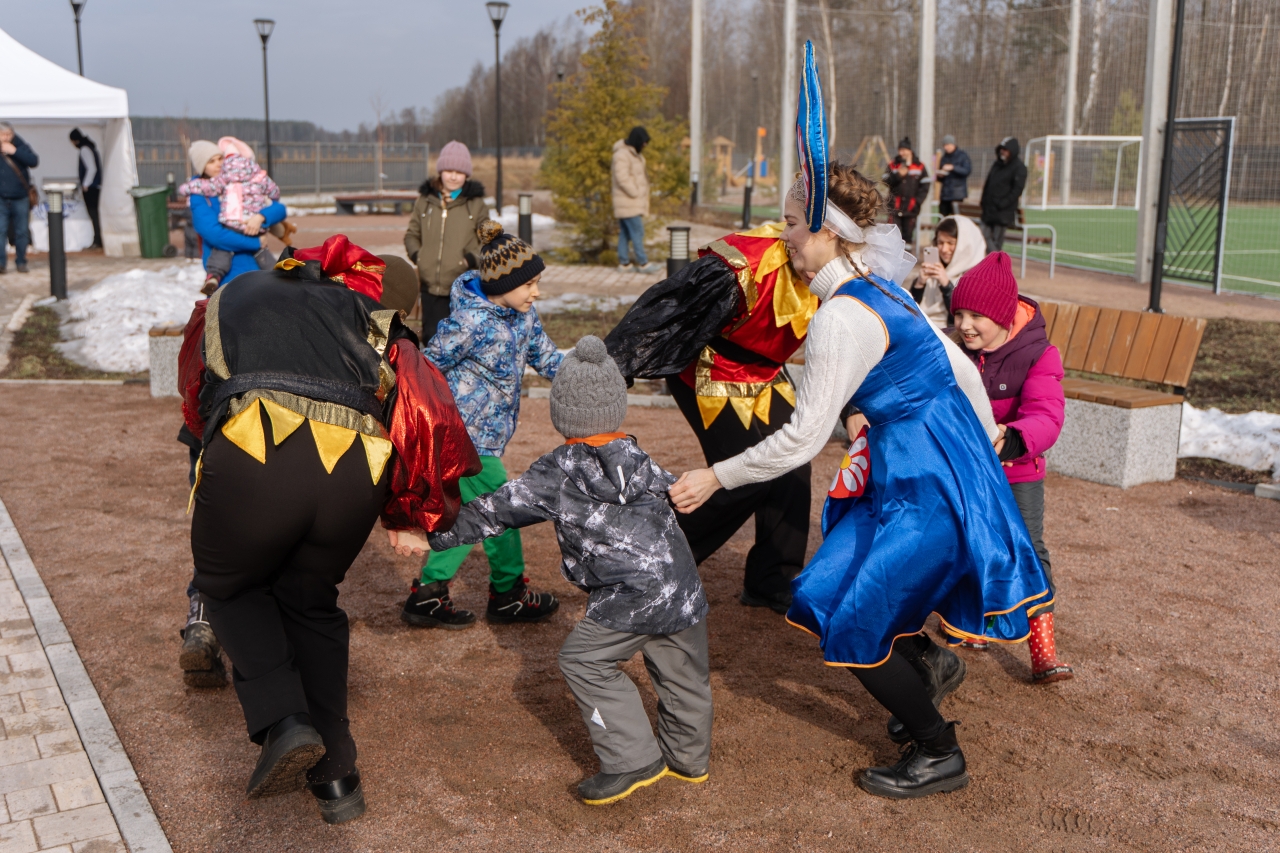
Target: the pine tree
(595, 107)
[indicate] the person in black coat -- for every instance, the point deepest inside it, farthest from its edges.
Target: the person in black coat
(1000, 194)
(15, 207)
(90, 170)
(909, 186)
(953, 173)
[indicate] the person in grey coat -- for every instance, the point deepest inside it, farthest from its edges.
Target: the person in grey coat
(621, 544)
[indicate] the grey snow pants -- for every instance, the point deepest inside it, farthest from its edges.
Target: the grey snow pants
(1030, 499)
(611, 706)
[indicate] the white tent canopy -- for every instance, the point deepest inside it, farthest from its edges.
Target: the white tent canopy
(44, 101)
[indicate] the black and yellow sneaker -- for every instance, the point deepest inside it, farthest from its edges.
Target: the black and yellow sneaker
(431, 607)
(520, 604)
(695, 777)
(604, 788)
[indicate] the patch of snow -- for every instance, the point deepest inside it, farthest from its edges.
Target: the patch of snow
(510, 218)
(108, 323)
(583, 302)
(1251, 440)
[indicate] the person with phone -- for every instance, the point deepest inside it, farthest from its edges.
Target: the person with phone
(957, 247)
(17, 196)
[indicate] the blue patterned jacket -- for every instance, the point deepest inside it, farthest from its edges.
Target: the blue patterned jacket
(482, 349)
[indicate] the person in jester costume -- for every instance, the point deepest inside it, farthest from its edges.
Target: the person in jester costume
(720, 331)
(927, 524)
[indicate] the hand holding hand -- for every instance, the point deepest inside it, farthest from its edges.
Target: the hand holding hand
(854, 424)
(693, 489)
(999, 445)
(408, 543)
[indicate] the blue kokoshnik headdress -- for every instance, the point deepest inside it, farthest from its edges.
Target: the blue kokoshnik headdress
(885, 252)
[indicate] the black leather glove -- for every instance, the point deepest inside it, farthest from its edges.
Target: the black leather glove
(1014, 446)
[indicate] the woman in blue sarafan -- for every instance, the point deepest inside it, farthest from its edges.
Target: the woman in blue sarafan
(932, 526)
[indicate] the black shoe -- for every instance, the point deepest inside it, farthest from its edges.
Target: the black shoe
(431, 607)
(931, 767)
(778, 602)
(200, 658)
(22, 267)
(696, 777)
(604, 788)
(520, 604)
(941, 670)
(209, 679)
(340, 800)
(292, 747)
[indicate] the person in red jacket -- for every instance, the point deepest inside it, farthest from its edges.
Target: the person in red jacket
(909, 185)
(1005, 335)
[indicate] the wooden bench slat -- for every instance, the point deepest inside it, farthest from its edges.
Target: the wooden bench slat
(1081, 336)
(1183, 357)
(1063, 325)
(1050, 311)
(1121, 396)
(1096, 359)
(1148, 325)
(1162, 348)
(1121, 343)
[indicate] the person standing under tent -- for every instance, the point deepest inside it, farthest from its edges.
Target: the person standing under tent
(1002, 193)
(953, 173)
(90, 170)
(16, 195)
(923, 521)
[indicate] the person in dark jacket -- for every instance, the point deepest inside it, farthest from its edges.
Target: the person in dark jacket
(1001, 192)
(909, 185)
(90, 169)
(15, 206)
(953, 173)
(621, 544)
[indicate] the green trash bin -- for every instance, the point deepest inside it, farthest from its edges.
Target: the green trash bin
(152, 205)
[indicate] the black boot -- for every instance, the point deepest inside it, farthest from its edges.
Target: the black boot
(200, 658)
(520, 604)
(290, 749)
(431, 607)
(340, 800)
(778, 602)
(941, 670)
(929, 767)
(604, 788)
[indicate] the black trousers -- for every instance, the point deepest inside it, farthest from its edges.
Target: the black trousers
(91, 196)
(434, 309)
(897, 686)
(1030, 499)
(947, 208)
(271, 543)
(781, 506)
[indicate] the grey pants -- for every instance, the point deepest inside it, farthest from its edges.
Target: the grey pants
(995, 236)
(1030, 498)
(611, 706)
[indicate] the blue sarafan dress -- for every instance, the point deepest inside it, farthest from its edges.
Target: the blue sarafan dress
(936, 529)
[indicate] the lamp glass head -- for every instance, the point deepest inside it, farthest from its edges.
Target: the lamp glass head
(497, 11)
(77, 6)
(264, 26)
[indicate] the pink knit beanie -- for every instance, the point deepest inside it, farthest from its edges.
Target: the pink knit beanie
(989, 289)
(454, 157)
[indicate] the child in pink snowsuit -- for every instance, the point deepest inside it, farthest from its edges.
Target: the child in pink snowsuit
(1004, 334)
(243, 187)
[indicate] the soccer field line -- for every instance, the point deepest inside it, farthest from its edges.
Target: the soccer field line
(1119, 257)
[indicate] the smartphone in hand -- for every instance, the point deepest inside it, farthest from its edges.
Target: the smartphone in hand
(929, 255)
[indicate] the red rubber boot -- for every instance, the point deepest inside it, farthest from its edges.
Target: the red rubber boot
(1045, 666)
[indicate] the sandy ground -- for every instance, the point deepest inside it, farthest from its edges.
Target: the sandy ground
(470, 740)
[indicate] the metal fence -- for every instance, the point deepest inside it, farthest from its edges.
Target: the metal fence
(308, 167)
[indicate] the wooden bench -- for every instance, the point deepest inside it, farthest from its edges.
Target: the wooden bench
(397, 201)
(1117, 434)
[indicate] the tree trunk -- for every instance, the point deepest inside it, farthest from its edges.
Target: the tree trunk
(1231, 46)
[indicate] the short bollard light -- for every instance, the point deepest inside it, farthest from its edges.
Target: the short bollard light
(678, 253)
(525, 227)
(54, 190)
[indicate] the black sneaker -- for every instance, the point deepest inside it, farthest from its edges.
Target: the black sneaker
(778, 602)
(604, 788)
(520, 604)
(340, 800)
(930, 767)
(431, 607)
(22, 267)
(200, 658)
(941, 670)
(292, 747)
(696, 777)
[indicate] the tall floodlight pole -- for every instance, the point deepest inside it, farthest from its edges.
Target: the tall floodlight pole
(77, 6)
(497, 12)
(264, 27)
(1069, 121)
(924, 102)
(695, 102)
(1166, 162)
(1154, 102)
(787, 123)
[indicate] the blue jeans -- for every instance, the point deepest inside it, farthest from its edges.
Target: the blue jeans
(15, 211)
(631, 230)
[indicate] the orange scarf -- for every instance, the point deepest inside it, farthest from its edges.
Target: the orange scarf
(598, 440)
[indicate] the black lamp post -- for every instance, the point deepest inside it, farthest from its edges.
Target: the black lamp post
(77, 6)
(497, 12)
(265, 26)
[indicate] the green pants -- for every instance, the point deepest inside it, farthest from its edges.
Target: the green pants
(506, 555)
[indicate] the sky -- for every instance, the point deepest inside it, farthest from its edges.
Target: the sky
(329, 59)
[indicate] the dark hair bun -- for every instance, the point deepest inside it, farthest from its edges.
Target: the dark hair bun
(488, 230)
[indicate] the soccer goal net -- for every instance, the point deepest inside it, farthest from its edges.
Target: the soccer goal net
(1083, 172)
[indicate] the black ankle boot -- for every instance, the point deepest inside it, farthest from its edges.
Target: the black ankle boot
(340, 800)
(520, 604)
(291, 748)
(941, 670)
(431, 607)
(930, 767)
(200, 658)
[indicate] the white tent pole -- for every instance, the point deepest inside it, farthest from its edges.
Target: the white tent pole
(695, 102)
(787, 123)
(1155, 104)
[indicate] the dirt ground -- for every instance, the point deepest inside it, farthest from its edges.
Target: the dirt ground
(470, 740)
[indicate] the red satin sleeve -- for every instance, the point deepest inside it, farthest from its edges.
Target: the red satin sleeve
(433, 450)
(191, 369)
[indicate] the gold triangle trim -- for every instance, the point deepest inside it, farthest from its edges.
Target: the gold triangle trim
(377, 451)
(742, 407)
(710, 408)
(788, 393)
(761, 407)
(331, 442)
(245, 432)
(283, 421)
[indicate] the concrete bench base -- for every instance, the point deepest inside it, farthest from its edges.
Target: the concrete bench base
(163, 356)
(1117, 447)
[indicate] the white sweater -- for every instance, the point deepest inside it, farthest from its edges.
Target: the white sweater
(846, 340)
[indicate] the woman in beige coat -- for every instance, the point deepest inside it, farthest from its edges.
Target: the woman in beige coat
(631, 197)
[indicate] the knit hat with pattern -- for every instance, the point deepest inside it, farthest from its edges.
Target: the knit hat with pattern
(454, 157)
(506, 262)
(588, 395)
(989, 289)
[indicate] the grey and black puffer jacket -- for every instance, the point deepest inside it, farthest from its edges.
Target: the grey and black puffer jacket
(618, 534)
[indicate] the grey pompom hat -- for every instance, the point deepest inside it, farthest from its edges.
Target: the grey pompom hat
(588, 395)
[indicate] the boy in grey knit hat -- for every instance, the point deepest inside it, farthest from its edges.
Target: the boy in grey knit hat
(621, 544)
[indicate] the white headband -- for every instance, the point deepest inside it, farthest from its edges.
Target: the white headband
(885, 252)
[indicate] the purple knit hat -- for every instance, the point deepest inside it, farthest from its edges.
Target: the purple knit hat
(989, 289)
(454, 157)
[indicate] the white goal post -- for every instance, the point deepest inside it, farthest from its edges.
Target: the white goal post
(1083, 172)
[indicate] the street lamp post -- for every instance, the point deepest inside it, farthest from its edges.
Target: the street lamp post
(77, 6)
(264, 27)
(497, 12)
